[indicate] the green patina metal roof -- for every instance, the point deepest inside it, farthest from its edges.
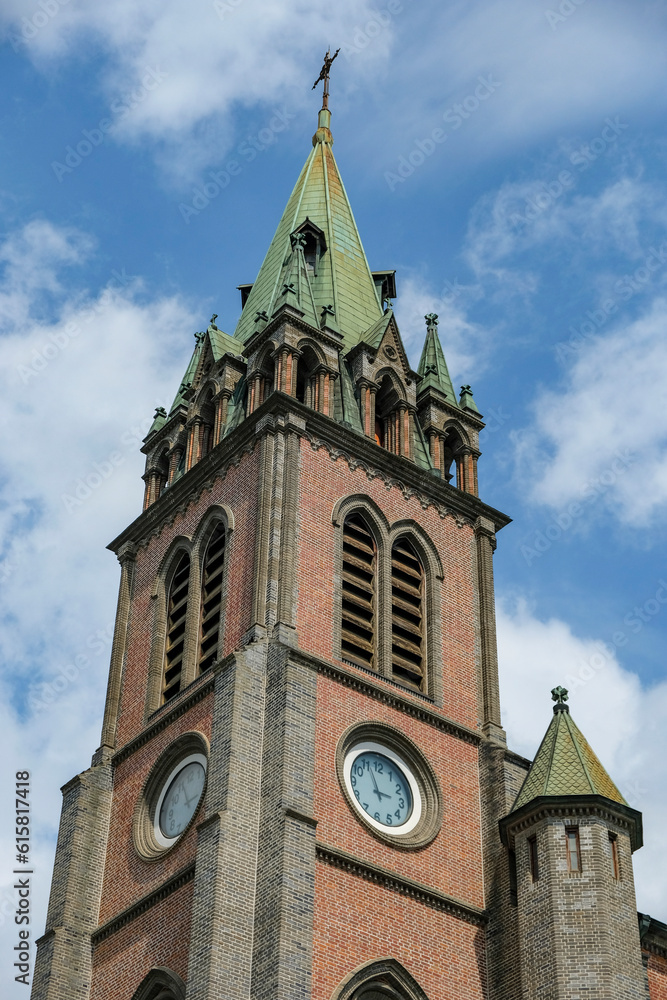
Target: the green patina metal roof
(343, 278)
(565, 764)
(432, 365)
(223, 343)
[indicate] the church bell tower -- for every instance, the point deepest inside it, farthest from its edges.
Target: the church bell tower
(302, 766)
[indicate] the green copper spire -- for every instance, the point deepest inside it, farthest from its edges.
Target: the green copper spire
(338, 272)
(565, 764)
(432, 365)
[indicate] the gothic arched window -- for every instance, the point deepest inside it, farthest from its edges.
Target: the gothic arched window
(177, 607)
(211, 598)
(358, 610)
(407, 615)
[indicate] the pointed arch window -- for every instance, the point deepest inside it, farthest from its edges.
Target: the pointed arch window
(407, 615)
(359, 586)
(211, 598)
(176, 613)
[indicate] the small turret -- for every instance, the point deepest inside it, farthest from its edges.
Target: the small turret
(572, 835)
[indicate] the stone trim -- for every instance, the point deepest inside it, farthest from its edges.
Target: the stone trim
(183, 701)
(430, 820)
(322, 432)
(389, 977)
(378, 691)
(653, 935)
(126, 916)
(336, 858)
(512, 757)
(568, 806)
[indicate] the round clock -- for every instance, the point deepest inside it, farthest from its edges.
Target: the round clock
(382, 787)
(179, 798)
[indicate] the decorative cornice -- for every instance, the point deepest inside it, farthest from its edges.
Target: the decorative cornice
(165, 715)
(389, 693)
(173, 884)
(515, 758)
(355, 448)
(567, 806)
(653, 935)
(336, 858)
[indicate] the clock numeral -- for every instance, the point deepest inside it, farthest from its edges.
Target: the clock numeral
(389, 819)
(378, 767)
(377, 816)
(365, 805)
(398, 789)
(397, 814)
(401, 803)
(353, 781)
(356, 794)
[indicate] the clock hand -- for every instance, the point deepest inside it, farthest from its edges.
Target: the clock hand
(377, 791)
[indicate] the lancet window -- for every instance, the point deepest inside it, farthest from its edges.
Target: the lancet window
(211, 598)
(407, 615)
(177, 607)
(359, 593)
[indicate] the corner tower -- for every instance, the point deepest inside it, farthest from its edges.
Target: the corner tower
(292, 793)
(572, 835)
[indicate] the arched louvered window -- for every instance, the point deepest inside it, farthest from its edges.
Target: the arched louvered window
(211, 598)
(358, 617)
(407, 616)
(176, 612)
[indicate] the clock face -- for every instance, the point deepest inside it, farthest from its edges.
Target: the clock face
(382, 788)
(179, 799)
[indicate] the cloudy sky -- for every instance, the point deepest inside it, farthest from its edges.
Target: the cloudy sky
(507, 158)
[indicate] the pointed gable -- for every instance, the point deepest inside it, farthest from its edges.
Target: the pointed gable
(432, 365)
(342, 278)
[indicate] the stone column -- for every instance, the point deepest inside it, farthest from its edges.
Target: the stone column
(486, 543)
(127, 558)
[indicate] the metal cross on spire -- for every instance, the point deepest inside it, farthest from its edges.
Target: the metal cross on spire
(324, 75)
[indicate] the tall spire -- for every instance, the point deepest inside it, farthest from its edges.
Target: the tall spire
(338, 272)
(432, 365)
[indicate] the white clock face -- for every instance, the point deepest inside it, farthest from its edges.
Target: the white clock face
(382, 788)
(179, 799)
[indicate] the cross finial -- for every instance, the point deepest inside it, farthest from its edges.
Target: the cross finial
(431, 321)
(324, 75)
(559, 695)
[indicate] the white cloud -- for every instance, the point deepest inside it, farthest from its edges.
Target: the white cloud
(623, 722)
(548, 213)
(180, 71)
(602, 437)
(77, 391)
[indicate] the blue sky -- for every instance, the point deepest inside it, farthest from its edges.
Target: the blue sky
(507, 158)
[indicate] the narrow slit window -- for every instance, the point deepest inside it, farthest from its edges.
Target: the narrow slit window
(615, 866)
(176, 613)
(407, 618)
(573, 850)
(211, 598)
(358, 613)
(532, 857)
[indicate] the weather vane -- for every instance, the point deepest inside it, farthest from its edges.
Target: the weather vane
(324, 75)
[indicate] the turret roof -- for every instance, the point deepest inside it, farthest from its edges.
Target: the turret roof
(565, 764)
(432, 365)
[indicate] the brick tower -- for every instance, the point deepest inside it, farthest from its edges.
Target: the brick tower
(302, 767)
